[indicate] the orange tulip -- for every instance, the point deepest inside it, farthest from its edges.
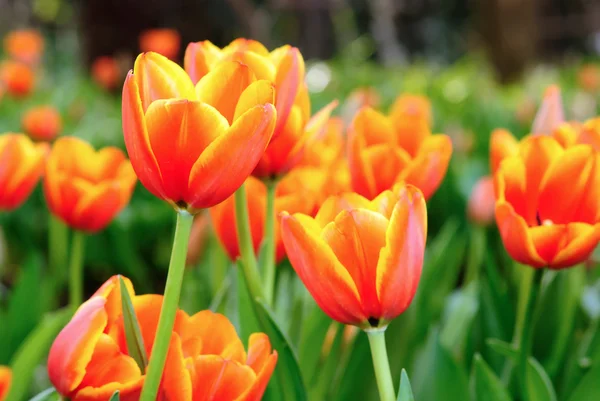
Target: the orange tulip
(590, 133)
(21, 166)
(361, 260)
(383, 151)
(283, 67)
(17, 78)
(25, 45)
(42, 123)
(547, 207)
(106, 72)
(589, 78)
(84, 188)
(5, 380)
(502, 145)
(292, 194)
(482, 202)
(161, 41)
(206, 360)
(194, 147)
(357, 99)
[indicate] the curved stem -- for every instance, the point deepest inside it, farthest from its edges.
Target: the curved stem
(526, 332)
(248, 258)
(381, 364)
(76, 270)
(269, 247)
(169, 307)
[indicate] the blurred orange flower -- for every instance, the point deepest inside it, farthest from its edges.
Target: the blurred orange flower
(163, 41)
(89, 359)
(385, 150)
(482, 202)
(42, 123)
(17, 78)
(361, 260)
(502, 145)
(84, 188)
(551, 113)
(589, 77)
(21, 166)
(198, 238)
(5, 380)
(106, 72)
(26, 45)
(548, 208)
(194, 146)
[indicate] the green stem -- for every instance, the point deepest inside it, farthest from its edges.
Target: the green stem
(526, 315)
(169, 307)
(248, 258)
(76, 270)
(58, 236)
(381, 364)
(269, 241)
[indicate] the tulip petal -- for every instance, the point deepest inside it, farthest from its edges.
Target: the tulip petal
(229, 160)
(326, 279)
(246, 45)
(515, 236)
(260, 65)
(5, 381)
(334, 205)
(257, 93)
(373, 126)
(199, 58)
(388, 165)
(290, 75)
(157, 77)
(179, 131)
(356, 238)
(550, 114)
(401, 260)
(548, 240)
(502, 145)
(98, 206)
(263, 362)
(176, 383)
(581, 240)
(223, 86)
(217, 379)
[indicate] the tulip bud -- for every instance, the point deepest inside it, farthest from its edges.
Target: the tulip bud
(482, 202)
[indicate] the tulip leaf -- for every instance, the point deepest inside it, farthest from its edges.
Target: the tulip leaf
(539, 386)
(485, 385)
(503, 348)
(330, 365)
(314, 330)
(405, 391)
(589, 387)
(133, 334)
(49, 394)
(115, 397)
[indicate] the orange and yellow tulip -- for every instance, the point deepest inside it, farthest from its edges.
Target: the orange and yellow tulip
(283, 67)
(5, 381)
(89, 360)
(194, 146)
(162, 41)
(502, 145)
(84, 188)
(106, 72)
(42, 123)
(22, 163)
(361, 260)
(548, 202)
(17, 78)
(383, 151)
(482, 203)
(26, 45)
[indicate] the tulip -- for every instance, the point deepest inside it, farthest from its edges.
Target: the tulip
(42, 123)
(89, 359)
(161, 41)
(358, 99)
(482, 203)
(361, 260)
(589, 78)
(84, 188)
(551, 113)
(21, 166)
(106, 72)
(502, 145)
(548, 208)
(283, 67)
(25, 45)
(17, 78)
(5, 380)
(193, 147)
(383, 151)
(590, 133)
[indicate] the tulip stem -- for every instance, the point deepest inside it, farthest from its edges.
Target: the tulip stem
(381, 364)
(248, 258)
(526, 322)
(170, 304)
(58, 237)
(269, 244)
(76, 270)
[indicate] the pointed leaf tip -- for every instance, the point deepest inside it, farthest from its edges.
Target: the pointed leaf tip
(133, 334)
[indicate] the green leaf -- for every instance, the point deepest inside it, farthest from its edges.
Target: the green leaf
(503, 348)
(405, 391)
(485, 385)
(589, 387)
(329, 367)
(462, 306)
(33, 350)
(314, 331)
(115, 397)
(539, 386)
(49, 394)
(133, 334)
